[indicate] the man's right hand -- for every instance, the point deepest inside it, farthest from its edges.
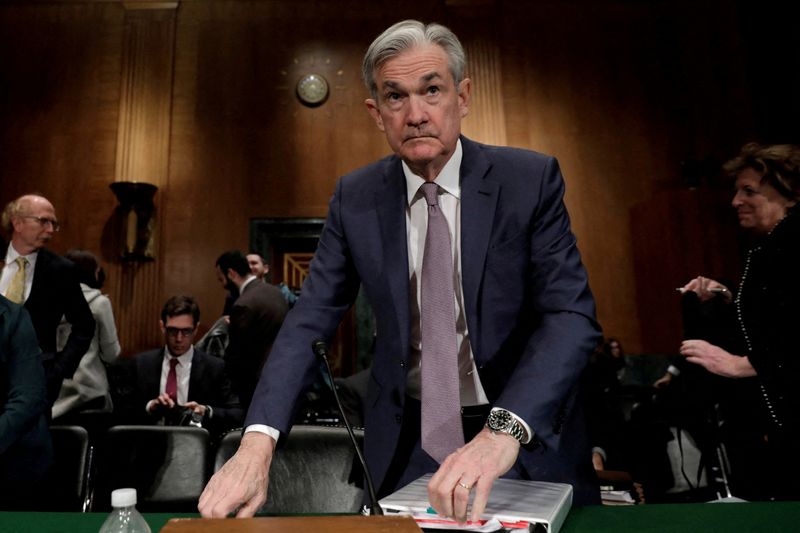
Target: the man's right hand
(160, 404)
(241, 484)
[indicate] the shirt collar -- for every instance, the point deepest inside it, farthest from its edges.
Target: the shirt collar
(12, 254)
(448, 178)
(248, 280)
(184, 359)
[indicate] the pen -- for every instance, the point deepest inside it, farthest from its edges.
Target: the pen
(712, 289)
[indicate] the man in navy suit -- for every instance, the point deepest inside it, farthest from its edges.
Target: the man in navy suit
(524, 315)
(26, 451)
(199, 381)
(50, 289)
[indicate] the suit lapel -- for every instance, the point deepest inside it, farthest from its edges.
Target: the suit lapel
(391, 209)
(40, 276)
(196, 376)
(478, 204)
(150, 372)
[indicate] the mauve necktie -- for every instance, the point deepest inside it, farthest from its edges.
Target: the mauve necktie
(172, 380)
(16, 289)
(442, 433)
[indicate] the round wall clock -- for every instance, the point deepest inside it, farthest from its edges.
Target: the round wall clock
(312, 89)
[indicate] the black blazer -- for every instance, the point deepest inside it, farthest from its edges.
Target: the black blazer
(208, 385)
(56, 292)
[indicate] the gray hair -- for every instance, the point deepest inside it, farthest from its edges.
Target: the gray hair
(15, 208)
(408, 34)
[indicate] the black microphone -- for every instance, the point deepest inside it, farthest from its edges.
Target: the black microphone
(320, 349)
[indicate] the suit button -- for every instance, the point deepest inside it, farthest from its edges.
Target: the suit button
(402, 364)
(398, 418)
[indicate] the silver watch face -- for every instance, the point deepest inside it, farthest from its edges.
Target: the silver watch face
(499, 420)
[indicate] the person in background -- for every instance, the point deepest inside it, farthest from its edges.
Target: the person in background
(26, 450)
(47, 285)
(88, 388)
(256, 317)
(604, 411)
(763, 416)
(484, 316)
(260, 269)
(170, 384)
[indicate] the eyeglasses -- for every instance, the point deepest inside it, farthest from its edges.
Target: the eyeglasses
(174, 332)
(43, 221)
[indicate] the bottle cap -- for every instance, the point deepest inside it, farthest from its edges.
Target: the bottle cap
(123, 498)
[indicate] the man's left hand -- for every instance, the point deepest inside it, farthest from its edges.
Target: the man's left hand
(196, 407)
(475, 466)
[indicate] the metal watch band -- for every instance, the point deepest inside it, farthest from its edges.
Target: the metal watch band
(511, 427)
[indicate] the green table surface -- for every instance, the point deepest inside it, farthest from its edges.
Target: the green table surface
(683, 518)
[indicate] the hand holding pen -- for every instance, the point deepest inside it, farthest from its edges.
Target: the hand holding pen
(706, 288)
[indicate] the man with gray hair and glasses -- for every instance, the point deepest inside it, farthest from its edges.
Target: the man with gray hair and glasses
(484, 315)
(47, 285)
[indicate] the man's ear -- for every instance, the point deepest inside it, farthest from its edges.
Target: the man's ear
(16, 223)
(372, 107)
(162, 326)
(464, 92)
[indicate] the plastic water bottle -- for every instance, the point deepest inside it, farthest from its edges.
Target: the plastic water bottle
(124, 518)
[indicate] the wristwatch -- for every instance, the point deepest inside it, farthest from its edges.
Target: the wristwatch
(502, 421)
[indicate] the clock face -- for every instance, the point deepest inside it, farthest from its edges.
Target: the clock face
(312, 89)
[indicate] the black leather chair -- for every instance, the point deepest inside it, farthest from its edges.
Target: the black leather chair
(313, 472)
(167, 465)
(65, 487)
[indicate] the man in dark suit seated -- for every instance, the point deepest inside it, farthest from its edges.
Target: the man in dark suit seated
(26, 451)
(47, 285)
(177, 384)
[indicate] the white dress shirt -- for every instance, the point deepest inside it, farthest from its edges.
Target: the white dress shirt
(12, 268)
(182, 372)
(416, 228)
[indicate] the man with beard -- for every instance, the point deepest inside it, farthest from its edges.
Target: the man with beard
(255, 318)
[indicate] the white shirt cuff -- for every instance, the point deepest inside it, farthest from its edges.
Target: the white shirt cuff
(674, 370)
(601, 451)
(262, 428)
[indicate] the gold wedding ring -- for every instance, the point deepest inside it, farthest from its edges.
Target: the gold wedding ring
(464, 485)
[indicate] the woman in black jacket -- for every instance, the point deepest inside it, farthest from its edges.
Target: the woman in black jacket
(767, 317)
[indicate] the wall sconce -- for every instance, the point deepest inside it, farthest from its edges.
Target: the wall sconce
(136, 212)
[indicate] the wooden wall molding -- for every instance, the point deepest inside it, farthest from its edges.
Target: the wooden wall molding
(486, 121)
(143, 149)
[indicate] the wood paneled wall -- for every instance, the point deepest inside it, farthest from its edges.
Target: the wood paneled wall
(621, 92)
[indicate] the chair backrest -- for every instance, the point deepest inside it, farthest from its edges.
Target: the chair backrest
(66, 484)
(167, 465)
(314, 472)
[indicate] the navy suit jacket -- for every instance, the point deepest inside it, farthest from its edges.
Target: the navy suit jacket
(529, 309)
(208, 385)
(26, 451)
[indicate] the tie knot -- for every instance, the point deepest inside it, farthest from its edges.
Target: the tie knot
(173, 362)
(21, 262)
(430, 190)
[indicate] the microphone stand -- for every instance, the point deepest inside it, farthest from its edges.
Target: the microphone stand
(320, 349)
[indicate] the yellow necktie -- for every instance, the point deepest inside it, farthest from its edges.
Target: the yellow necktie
(16, 290)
